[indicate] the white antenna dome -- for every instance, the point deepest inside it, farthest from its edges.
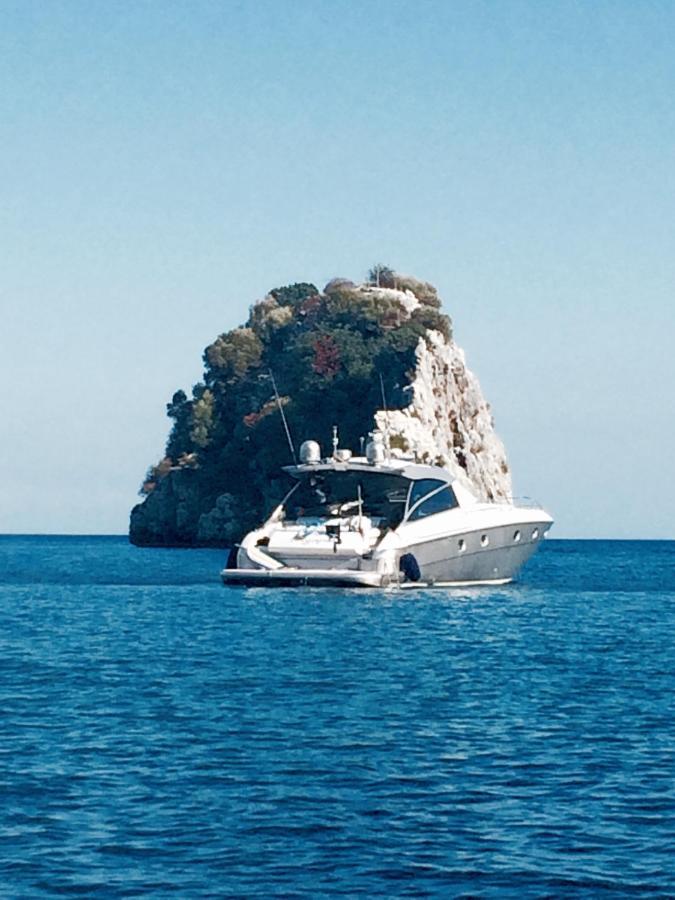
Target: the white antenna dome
(310, 452)
(375, 451)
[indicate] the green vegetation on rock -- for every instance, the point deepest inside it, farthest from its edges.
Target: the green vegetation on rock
(221, 470)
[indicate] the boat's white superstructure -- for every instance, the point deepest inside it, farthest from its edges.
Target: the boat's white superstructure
(377, 521)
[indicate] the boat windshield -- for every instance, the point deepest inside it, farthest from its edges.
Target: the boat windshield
(325, 494)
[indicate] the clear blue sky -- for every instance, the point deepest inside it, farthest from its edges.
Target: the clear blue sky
(162, 165)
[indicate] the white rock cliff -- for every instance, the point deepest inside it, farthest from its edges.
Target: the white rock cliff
(448, 421)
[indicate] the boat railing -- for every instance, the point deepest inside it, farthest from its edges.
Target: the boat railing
(522, 502)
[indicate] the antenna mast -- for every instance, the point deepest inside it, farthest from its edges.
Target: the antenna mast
(386, 416)
(283, 418)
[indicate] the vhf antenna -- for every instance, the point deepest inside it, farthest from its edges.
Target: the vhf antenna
(386, 413)
(283, 418)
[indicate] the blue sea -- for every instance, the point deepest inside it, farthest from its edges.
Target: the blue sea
(163, 736)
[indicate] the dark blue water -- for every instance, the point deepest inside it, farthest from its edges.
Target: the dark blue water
(161, 735)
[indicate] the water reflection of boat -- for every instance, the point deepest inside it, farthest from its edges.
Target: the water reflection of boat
(375, 521)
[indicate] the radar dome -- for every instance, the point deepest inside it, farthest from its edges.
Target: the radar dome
(310, 452)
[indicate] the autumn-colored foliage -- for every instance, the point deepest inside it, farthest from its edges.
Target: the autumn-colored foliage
(251, 419)
(326, 360)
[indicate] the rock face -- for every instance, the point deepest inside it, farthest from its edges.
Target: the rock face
(163, 519)
(328, 353)
(448, 421)
(166, 518)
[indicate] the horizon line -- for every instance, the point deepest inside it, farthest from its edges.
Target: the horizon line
(78, 534)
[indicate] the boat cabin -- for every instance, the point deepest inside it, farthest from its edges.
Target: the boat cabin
(385, 495)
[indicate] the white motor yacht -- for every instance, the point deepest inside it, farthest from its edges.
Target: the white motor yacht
(381, 521)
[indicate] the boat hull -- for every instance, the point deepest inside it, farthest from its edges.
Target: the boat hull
(491, 556)
(322, 578)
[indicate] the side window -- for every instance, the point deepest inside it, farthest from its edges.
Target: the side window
(438, 502)
(421, 488)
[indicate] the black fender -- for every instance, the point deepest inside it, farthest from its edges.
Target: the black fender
(232, 558)
(409, 567)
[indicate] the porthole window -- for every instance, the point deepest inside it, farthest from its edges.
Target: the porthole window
(461, 543)
(535, 534)
(516, 536)
(484, 541)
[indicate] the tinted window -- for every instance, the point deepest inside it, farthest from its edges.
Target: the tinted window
(437, 503)
(422, 488)
(330, 493)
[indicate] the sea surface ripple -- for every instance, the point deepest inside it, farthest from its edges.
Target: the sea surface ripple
(161, 735)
